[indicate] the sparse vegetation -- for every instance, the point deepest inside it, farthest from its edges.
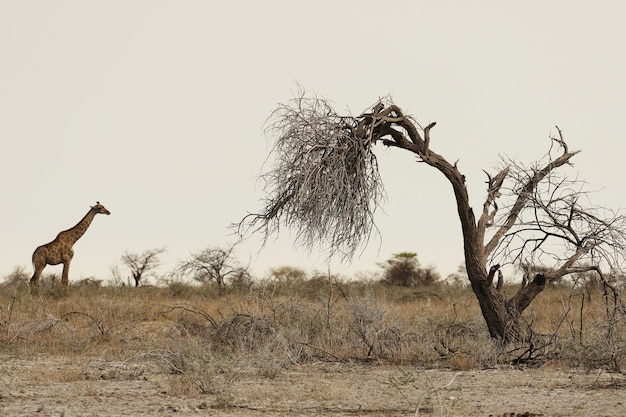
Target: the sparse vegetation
(201, 341)
(181, 326)
(405, 270)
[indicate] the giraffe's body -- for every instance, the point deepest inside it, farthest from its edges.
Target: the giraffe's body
(60, 251)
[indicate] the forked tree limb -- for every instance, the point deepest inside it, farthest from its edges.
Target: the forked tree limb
(524, 196)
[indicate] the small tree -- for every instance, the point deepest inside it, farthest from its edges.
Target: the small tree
(459, 277)
(325, 184)
(288, 275)
(404, 269)
(16, 279)
(214, 265)
(142, 264)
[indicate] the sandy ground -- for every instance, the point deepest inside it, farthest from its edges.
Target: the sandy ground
(63, 387)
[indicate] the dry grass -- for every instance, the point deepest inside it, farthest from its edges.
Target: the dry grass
(201, 341)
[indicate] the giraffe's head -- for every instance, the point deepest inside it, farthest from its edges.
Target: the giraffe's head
(100, 209)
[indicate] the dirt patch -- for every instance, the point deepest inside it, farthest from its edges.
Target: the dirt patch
(62, 387)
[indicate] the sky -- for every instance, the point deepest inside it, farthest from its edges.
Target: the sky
(157, 110)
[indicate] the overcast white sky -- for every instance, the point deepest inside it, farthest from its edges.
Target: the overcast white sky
(156, 109)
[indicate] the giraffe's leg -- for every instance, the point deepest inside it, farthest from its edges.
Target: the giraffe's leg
(66, 273)
(34, 281)
(39, 263)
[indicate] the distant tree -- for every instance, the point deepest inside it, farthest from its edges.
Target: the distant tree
(288, 275)
(459, 277)
(142, 264)
(403, 269)
(49, 280)
(325, 185)
(18, 274)
(92, 283)
(118, 276)
(17, 278)
(214, 264)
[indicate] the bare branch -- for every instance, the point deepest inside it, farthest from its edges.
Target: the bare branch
(525, 192)
(492, 273)
(500, 282)
(493, 193)
(427, 139)
(560, 140)
(555, 223)
(142, 264)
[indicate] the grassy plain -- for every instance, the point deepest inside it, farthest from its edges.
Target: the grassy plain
(194, 342)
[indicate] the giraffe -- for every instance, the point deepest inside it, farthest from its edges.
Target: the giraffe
(60, 251)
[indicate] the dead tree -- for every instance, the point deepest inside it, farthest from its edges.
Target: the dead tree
(142, 264)
(215, 264)
(325, 185)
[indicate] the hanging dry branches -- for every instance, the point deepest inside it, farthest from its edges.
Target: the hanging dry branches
(324, 183)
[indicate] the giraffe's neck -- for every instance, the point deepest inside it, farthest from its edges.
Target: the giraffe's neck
(76, 232)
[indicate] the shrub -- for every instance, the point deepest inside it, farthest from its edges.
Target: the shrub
(403, 269)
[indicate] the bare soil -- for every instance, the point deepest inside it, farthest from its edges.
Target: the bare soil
(81, 387)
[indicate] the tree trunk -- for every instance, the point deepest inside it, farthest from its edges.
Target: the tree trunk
(503, 318)
(493, 307)
(502, 321)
